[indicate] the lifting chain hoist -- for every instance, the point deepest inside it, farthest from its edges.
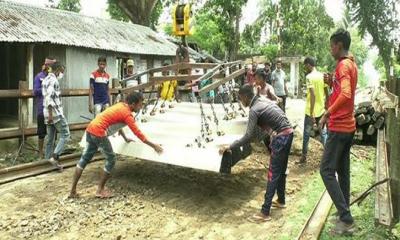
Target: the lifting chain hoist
(227, 114)
(154, 109)
(182, 22)
(230, 96)
(219, 133)
(146, 105)
(205, 131)
(236, 99)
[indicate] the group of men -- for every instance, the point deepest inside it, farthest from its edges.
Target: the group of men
(273, 85)
(337, 114)
(262, 93)
(51, 119)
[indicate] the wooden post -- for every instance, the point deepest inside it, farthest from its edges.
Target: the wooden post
(29, 84)
(297, 80)
(393, 142)
(23, 112)
(115, 84)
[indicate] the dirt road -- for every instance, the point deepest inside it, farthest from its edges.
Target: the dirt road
(153, 201)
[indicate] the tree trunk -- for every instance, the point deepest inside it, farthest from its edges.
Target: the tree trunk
(138, 11)
(236, 37)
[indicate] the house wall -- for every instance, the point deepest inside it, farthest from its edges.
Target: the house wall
(80, 63)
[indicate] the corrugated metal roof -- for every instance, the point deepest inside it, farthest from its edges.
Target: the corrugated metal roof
(26, 23)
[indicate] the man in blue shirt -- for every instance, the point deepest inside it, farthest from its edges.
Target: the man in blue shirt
(99, 94)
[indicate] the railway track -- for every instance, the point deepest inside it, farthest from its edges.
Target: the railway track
(315, 223)
(39, 167)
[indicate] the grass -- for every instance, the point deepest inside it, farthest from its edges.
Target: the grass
(304, 205)
(362, 176)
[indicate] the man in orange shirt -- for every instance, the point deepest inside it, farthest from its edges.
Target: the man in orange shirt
(96, 137)
(341, 128)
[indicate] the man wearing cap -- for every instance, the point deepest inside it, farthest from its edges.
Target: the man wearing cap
(130, 72)
(37, 91)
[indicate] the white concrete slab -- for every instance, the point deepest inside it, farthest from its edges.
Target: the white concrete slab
(174, 130)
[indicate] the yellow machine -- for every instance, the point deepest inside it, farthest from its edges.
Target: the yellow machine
(182, 14)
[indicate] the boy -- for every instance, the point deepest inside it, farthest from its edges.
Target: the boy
(315, 104)
(268, 116)
(99, 94)
(341, 128)
(263, 88)
(96, 137)
(53, 114)
(37, 91)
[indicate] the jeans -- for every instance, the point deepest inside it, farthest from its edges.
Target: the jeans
(336, 159)
(62, 128)
(280, 149)
(92, 144)
(308, 125)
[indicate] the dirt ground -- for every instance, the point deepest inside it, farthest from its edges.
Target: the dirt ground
(154, 201)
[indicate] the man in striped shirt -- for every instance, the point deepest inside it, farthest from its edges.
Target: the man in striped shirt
(96, 137)
(53, 114)
(341, 128)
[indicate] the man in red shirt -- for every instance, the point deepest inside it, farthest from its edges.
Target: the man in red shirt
(96, 137)
(341, 128)
(251, 75)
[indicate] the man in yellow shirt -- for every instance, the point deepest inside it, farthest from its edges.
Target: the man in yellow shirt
(317, 94)
(168, 89)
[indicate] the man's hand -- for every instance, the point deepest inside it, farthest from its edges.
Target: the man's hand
(224, 149)
(324, 120)
(158, 148)
(328, 79)
(279, 100)
(128, 140)
(258, 89)
(50, 119)
(312, 118)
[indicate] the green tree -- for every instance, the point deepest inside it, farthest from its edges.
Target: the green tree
(139, 12)
(377, 18)
(207, 35)
(115, 11)
(303, 28)
(227, 14)
(250, 39)
(358, 48)
(270, 51)
(68, 5)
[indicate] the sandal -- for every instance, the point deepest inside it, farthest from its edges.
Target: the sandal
(259, 218)
(104, 194)
(276, 204)
(55, 163)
